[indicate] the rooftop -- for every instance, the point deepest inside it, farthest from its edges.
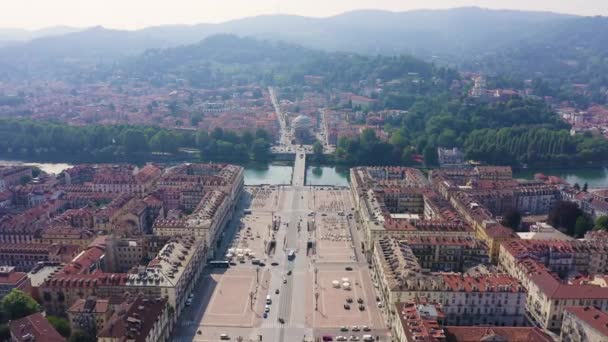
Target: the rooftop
(34, 327)
(592, 316)
(510, 334)
(134, 319)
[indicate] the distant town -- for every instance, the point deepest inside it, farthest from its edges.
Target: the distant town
(452, 220)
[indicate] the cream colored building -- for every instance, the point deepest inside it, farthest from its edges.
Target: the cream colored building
(584, 324)
(478, 298)
(539, 264)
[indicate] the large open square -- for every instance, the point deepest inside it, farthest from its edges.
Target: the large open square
(334, 241)
(331, 312)
(236, 304)
(230, 303)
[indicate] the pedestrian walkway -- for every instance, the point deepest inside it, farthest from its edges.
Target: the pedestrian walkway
(299, 169)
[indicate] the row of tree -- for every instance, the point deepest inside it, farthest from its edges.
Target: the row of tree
(519, 131)
(533, 145)
(41, 140)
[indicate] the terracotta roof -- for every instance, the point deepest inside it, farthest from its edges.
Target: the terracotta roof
(134, 319)
(593, 317)
(511, 334)
(9, 277)
(34, 326)
(91, 305)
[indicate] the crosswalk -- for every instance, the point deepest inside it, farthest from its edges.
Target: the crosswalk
(272, 324)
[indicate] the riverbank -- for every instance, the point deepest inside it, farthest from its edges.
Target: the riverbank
(280, 172)
(594, 177)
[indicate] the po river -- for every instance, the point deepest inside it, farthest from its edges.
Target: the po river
(276, 174)
(273, 174)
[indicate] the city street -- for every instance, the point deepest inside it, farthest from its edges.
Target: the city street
(324, 287)
(232, 301)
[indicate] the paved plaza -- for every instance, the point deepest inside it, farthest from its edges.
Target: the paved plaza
(232, 301)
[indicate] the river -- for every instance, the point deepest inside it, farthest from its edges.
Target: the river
(325, 175)
(277, 174)
(595, 178)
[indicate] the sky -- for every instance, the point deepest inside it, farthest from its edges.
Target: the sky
(134, 14)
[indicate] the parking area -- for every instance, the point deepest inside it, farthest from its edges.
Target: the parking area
(334, 241)
(253, 232)
(264, 198)
(331, 200)
(333, 295)
(230, 304)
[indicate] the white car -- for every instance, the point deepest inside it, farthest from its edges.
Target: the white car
(188, 302)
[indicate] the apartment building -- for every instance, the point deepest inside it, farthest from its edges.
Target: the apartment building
(473, 298)
(89, 314)
(34, 327)
(11, 279)
(418, 321)
(584, 324)
(11, 175)
(138, 319)
(544, 269)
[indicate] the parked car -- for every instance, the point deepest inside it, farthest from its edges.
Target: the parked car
(343, 328)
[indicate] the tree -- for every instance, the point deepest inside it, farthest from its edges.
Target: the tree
(585, 186)
(18, 304)
(5, 333)
(135, 141)
(60, 324)
(317, 150)
(24, 179)
(195, 119)
(512, 219)
(430, 156)
(564, 215)
(601, 223)
(583, 224)
(36, 171)
(81, 336)
(260, 150)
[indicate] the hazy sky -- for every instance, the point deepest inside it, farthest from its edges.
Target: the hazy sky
(131, 14)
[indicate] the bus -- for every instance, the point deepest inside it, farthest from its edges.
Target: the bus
(219, 264)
